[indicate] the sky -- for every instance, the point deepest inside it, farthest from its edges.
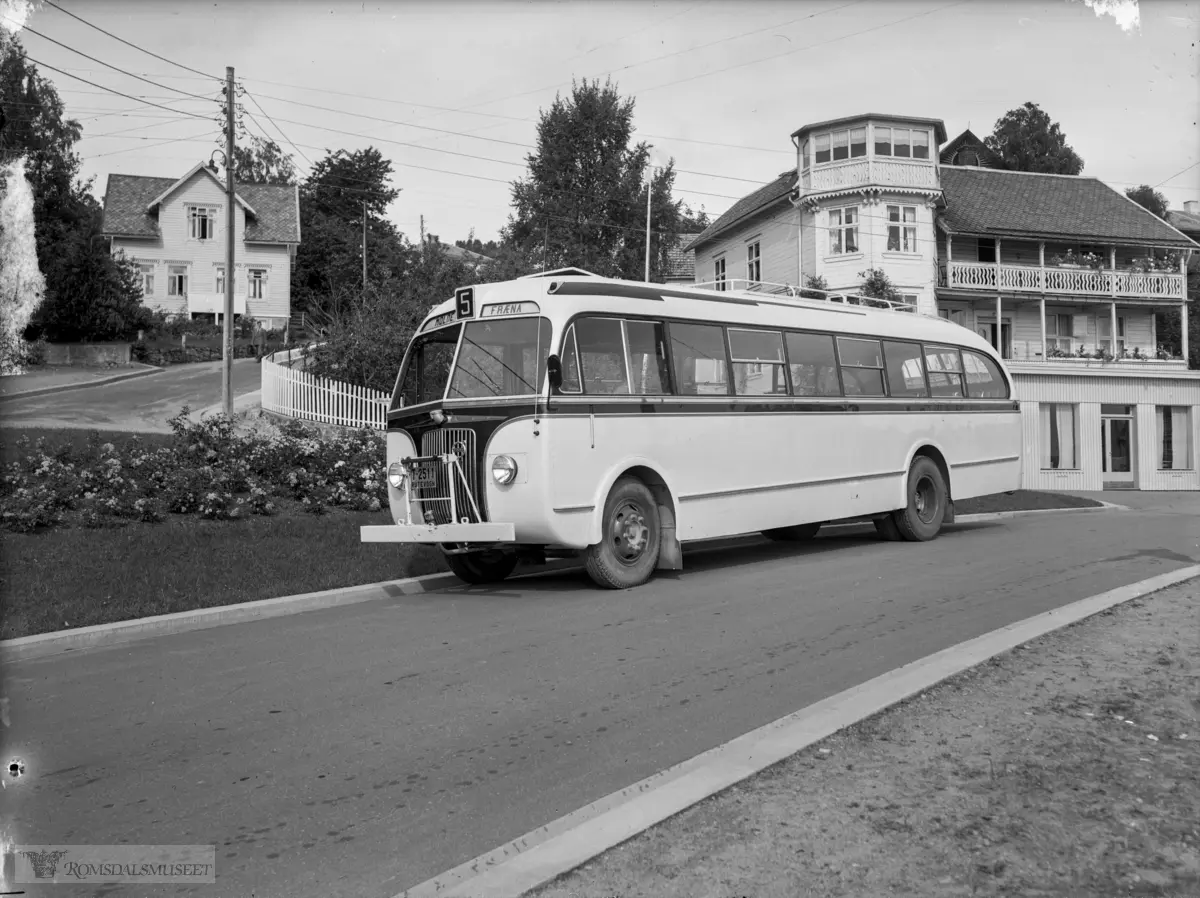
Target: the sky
(451, 91)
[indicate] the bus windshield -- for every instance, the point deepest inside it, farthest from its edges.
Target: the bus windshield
(502, 357)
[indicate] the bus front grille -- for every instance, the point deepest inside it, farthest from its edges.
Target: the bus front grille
(435, 499)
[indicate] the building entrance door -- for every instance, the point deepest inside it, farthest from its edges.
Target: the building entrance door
(1117, 446)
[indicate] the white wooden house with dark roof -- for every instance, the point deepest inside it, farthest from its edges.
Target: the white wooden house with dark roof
(1061, 273)
(174, 229)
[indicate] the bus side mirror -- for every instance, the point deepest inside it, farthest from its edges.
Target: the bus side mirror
(554, 371)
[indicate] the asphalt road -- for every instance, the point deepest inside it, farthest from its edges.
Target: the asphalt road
(140, 403)
(362, 750)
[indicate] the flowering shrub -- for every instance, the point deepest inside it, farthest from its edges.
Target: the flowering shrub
(209, 471)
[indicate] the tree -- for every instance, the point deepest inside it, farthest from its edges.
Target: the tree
(1149, 198)
(583, 201)
(1027, 140)
(877, 285)
(263, 162)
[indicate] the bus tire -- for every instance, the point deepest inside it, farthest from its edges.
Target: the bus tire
(627, 553)
(479, 568)
(922, 518)
(796, 533)
(886, 528)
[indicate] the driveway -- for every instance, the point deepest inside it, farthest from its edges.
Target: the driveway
(361, 750)
(139, 404)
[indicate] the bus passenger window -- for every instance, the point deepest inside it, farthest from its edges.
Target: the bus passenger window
(813, 364)
(647, 364)
(602, 351)
(945, 371)
(906, 372)
(984, 380)
(699, 354)
(570, 364)
(862, 366)
(757, 363)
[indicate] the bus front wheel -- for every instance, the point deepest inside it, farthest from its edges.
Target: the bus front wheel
(627, 553)
(922, 518)
(487, 566)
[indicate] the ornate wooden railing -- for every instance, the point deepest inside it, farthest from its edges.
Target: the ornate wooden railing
(1065, 281)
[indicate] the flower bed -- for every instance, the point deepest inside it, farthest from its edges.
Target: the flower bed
(209, 469)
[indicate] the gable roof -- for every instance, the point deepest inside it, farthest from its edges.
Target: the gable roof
(131, 208)
(748, 205)
(999, 202)
(1184, 221)
(968, 140)
(199, 167)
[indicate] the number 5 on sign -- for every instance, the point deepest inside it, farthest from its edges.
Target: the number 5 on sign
(464, 300)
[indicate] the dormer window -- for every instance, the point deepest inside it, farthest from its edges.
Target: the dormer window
(902, 143)
(838, 145)
(202, 222)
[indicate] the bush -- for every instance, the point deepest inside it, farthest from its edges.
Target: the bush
(209, 471)
(90, 296)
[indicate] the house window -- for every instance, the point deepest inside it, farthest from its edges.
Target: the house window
(902, 229)
(719, 272)
(1058, 332)
(1173, 438)
(1057, 436)
(986, 249)
(821, 143)
(257, 278)
(202, 222)
(1104, 329)
(147, 280)
(858, 142)
(903, 143)
(843, 230)
(956, 316)
(841, 145)
(177, 280)
(219, 280)
(920, 144)
(911, 300)
(754, 262)
(804, 154)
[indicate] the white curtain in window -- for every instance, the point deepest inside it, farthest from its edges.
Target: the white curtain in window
(1172, 453)
(1066, 435)
(1057, 429)
(1044, 423)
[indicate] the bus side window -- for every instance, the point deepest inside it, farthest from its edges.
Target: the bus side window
(757, 362)
(813, 364)
(984, 380)
(945, 371)
(647, 364)
(905, 369)
(602, 353)
(699, 354)
(862, 366)
(570, 364)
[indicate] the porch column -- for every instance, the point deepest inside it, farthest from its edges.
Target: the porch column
(1183, 328)
(1113, 324)
(1042, 283)
(949, 262)
(1042, 309)
(999, 328)
(1112, 275)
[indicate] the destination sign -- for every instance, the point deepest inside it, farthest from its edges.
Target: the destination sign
(510, 308)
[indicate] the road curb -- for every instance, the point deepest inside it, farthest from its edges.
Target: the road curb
(25, 648)
(556, 849)
(240, 404)
(42, 391)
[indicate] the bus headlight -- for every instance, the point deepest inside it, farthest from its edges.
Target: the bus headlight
(395, 475)
(504, 469)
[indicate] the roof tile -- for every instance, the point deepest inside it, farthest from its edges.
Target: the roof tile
(748, 205)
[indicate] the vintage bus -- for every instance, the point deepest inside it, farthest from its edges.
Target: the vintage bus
(567, 414)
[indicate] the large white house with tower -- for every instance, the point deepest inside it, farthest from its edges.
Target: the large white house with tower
(1063, 274)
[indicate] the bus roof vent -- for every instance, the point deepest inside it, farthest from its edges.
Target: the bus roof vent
(559, 272)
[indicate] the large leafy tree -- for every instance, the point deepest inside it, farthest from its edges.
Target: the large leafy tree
(1027, 140)
(1149, 198)
(263, 162)
(89, 294)
(583, 201)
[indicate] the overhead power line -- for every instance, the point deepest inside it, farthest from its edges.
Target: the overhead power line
(258, 105)
(128, 44)
(112, 91)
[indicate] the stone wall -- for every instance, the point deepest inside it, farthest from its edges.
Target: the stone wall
(88, 354)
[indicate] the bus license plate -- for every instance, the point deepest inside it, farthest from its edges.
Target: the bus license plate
(424, 476)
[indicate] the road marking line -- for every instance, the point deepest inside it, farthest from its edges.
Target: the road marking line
(557, 848)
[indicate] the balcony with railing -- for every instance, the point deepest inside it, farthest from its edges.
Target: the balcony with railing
(1027, 356)
(868, 170)
(1062, 281)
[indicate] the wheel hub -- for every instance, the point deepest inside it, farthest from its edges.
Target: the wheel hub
(629, 532)
(925, 500)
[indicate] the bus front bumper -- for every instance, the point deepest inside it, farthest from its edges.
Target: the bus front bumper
(445, 533)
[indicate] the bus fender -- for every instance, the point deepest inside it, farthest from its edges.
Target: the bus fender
(670, 554)
(939, 456)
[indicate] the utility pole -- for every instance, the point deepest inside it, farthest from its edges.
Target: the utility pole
(227, 341)
(649, 194)
(422, 236)
(364, 245)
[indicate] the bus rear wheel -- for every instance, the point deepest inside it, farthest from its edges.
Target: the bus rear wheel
(797, 533)
(486, 566)
(922, 518)
(627, 553)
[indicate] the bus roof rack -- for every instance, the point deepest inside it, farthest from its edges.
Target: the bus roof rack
(791, 291)
(559, 272)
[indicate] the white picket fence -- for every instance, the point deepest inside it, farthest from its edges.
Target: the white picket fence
(297, 394)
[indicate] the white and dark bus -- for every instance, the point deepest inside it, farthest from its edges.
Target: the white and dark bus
(566, 414)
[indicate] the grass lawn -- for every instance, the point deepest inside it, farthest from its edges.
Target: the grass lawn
(76, 577)
(1066, 767)
(1021, 500)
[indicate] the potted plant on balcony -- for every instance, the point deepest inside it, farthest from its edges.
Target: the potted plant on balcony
(1072, 259)
(1150, 263)
(1139, 355)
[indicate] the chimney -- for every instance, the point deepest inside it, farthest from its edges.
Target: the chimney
(1192, 207)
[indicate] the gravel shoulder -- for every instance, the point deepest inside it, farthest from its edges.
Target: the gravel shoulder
(1064, 768)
